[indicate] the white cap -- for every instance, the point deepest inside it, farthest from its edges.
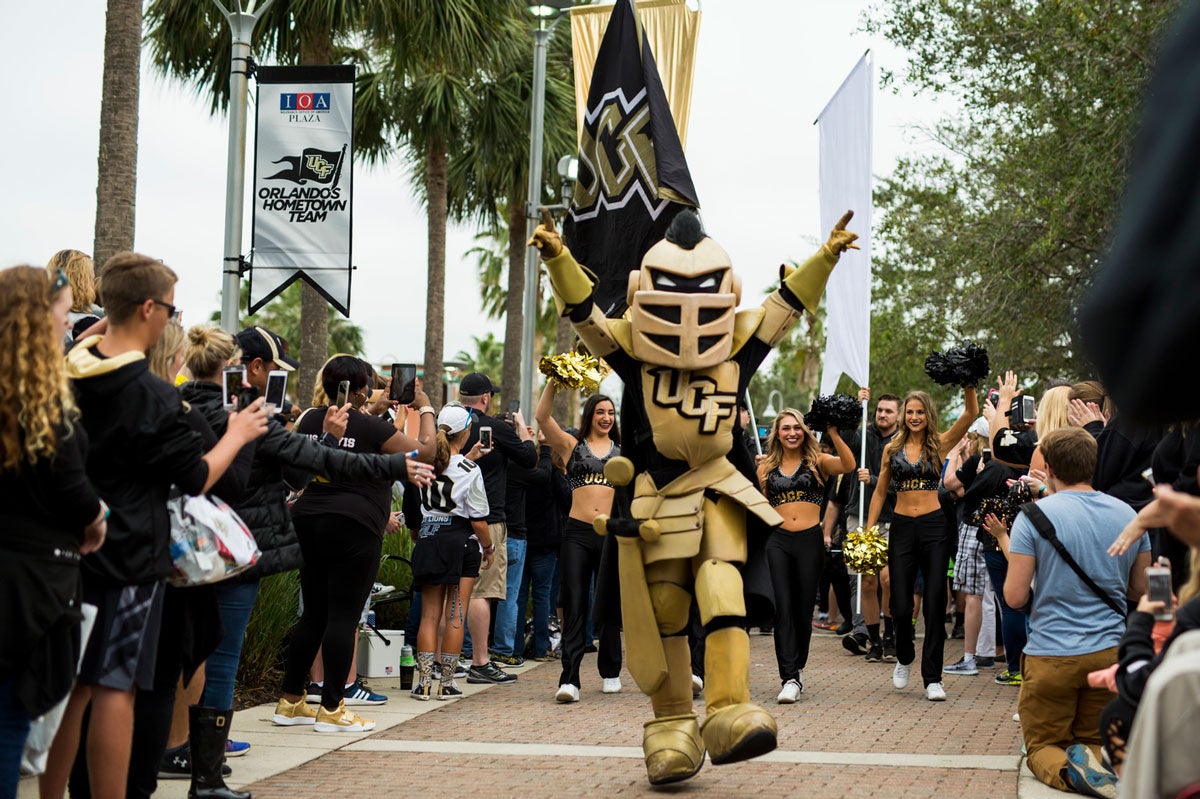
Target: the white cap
(980, 427)
(455, 417)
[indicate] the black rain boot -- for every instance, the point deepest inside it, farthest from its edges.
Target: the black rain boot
(208, 728)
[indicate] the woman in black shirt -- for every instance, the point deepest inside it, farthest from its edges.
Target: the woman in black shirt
(52, 515)
(340, 528)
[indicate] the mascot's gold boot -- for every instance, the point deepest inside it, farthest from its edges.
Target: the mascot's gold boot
(734, 729)
(671, 742)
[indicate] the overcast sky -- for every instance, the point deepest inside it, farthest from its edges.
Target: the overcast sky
(764, 71)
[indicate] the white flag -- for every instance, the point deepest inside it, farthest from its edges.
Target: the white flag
(845, 128)
(303, 182)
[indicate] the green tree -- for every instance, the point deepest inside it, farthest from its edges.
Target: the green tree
(487, 358)
(116, 179)
(437, 60)
(282, 317)
(995, 237)
(190, 41)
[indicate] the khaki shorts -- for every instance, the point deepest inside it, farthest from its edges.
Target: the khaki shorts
(493, 582)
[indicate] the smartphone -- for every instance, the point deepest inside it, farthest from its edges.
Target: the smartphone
(343, 395)
(404, 383)
(232, 378)
(1158, 582)
(485, 437)
(513, 408)
(994, 397)
(247, 396)
(276, 391)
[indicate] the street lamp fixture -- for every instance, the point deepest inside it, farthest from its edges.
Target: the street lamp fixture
(769, 412)
(548, 9)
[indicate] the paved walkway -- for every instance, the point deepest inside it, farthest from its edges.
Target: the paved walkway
(851, 734)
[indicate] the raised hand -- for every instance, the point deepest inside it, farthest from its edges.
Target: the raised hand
(546, 238)
(841, 239)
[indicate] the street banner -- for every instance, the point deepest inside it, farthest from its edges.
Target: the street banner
(303, 182)
(633, 177)
(845, 128)
(673, 30)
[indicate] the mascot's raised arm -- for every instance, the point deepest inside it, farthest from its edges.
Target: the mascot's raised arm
(686, 354)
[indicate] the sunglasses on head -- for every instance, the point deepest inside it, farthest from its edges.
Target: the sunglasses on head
(61, 281)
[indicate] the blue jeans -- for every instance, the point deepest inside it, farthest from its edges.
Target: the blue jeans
(540, 570)
(236, 601)
(1013, 624)
(14, 729)
(509, 610)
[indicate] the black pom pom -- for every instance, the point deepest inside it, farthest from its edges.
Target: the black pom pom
(834, 410)
(685, 230)
(964, 365)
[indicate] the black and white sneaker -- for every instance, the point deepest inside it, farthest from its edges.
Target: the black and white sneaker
(176, 764)
(450, 691)
(855, 643)
(360, 694)
(490, 674)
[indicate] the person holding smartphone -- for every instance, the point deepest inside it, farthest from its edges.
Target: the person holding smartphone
(340, 524)
(510, 443)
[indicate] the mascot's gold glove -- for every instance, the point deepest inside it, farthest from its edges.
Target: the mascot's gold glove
(841, 239)
(546, 238)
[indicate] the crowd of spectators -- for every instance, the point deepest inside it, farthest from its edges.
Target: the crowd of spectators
(1028, 538)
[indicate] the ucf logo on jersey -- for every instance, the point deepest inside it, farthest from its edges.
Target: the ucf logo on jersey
(696, 395)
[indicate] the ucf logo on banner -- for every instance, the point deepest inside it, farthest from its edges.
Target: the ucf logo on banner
(303, 196)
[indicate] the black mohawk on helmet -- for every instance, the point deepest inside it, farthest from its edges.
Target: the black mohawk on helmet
(685, 230)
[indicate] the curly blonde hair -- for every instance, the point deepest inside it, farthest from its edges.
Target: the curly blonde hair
(32, 377)
(81, 272)
(810, 449)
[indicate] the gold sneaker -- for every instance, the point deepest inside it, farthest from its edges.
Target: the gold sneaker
(341, 720)
(291, 714)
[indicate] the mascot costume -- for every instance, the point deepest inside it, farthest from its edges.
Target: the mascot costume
(686, 354)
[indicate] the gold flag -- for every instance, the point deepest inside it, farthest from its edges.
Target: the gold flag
(672, 30)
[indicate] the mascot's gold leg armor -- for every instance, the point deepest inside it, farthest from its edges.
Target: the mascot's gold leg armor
(686, 354)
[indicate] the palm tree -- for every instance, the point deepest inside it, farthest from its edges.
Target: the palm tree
(282, 316)
(116, 178)
(489, 177)
(190, 41)
(439, 60)
(487, 357)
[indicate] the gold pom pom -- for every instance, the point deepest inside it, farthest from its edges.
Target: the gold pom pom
(865, 551)
(572, 371)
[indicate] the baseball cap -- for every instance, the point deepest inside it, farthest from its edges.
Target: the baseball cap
(477, 384)
(1015, 448)
(455, 417)
(258, 342)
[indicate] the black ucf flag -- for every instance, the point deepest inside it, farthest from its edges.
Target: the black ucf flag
(633, 177)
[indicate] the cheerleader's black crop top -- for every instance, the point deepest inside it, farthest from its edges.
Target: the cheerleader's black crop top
(585, 469)
(909, 476)
(801, 486)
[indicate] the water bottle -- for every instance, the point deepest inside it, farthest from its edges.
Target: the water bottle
(407, 665)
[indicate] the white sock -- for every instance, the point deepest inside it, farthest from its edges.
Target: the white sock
(969, 657)
(319, 683)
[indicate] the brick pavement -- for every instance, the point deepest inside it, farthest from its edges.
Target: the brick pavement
(848, 711)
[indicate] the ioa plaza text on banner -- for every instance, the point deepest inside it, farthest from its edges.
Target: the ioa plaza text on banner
(303, 182)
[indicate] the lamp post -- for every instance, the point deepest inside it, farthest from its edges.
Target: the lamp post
(241, 19)
(546, 13)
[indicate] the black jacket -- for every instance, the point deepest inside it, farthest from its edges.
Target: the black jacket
(1123, 452)
(284, 461)
(507, 447)
(141, 445)
(1137, 646)
(547, 500)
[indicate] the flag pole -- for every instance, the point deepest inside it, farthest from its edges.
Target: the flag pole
(862, 494)
(753, 424)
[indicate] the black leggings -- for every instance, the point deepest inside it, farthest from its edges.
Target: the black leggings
(835, 576)
(795, 560)
(341, 559)
(578, 565)
(920, 543)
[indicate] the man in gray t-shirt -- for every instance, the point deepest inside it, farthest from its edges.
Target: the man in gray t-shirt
(1072, 630)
